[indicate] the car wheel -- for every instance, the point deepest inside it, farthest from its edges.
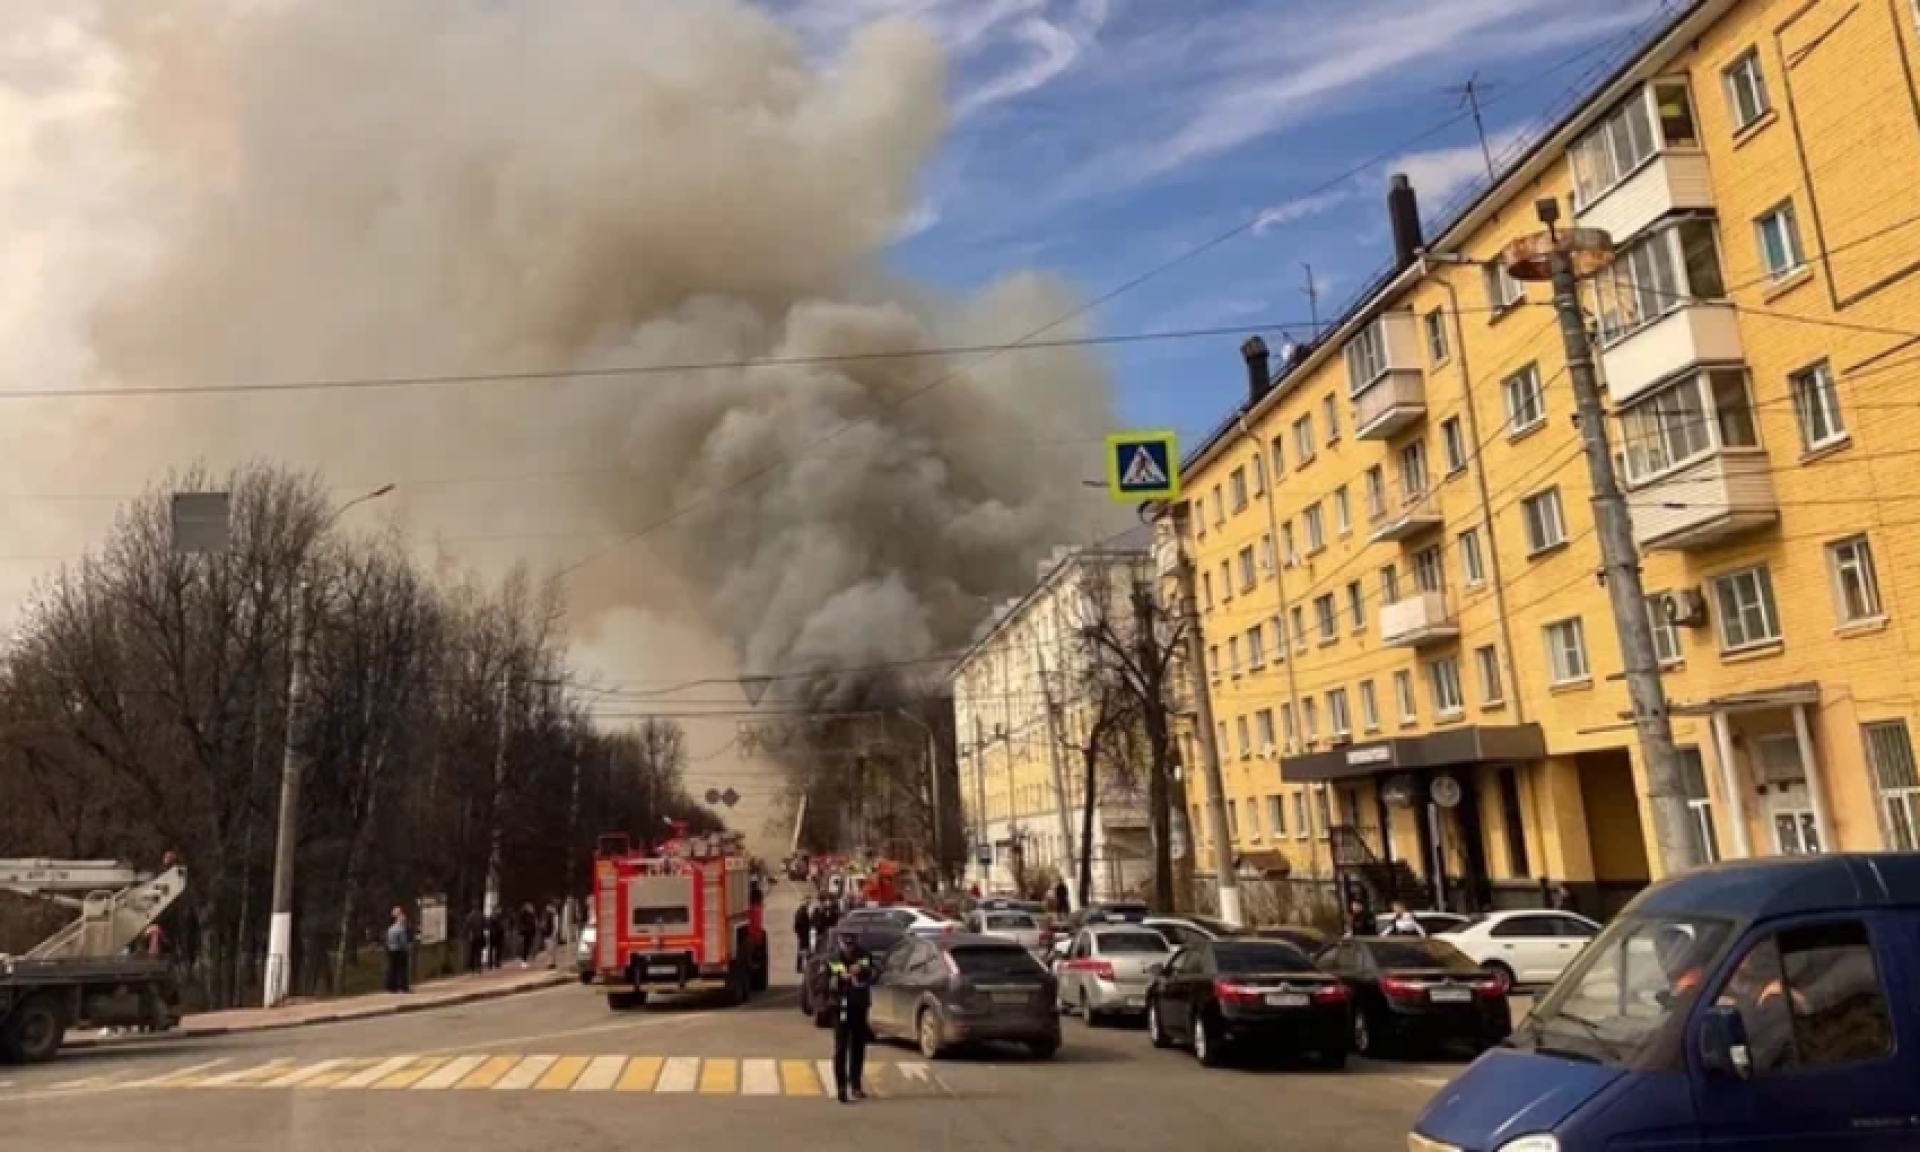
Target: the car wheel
(1156, 1031)
(1501, 973)
(932, 1034)
(1087, 1014)
(32, 1034)
(1206, 1047)
(1364, 1040)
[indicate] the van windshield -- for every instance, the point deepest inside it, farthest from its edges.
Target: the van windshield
(1641, 973)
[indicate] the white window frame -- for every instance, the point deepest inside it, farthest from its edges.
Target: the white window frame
(1233, 655)
(1219, 508)
(1745, 82)
(1266, 553)
(1249, 569)
(1277, 816)
(1567, 659)
(1256, 648)
(1896, 786)
(1316, 521)
(1677, 426)
(1367, 359)
(1214, 669)
(1342, 510)
(1493, 686)
(1259, 462)
(1310, 719)
(1434, 326)
(1754, 595)
(1289, 546)
(1403, 696)
(1226, 580)
(1453, 445)
(1326, 618)
(1241, 729)
(1303, 442)
(1443, 683)
(1263, 728)
(1300, 822)
(1330, 416)
(1816, 405)
(1597, 160)
(1300, 638)
(1851, 559)
(1785, 217)
(1369, 707)
(1545, 532)
(1237, 489)
(1287, 729)
(1526, 400)
(1339, 712)
(1473, 564)
(1357, 606)
(1376, 481)
(1504, 293)
(1666, 637)
(1279, 446)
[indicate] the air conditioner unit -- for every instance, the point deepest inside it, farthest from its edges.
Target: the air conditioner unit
(1686, 608)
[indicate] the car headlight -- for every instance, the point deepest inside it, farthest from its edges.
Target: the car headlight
(1538, 1142)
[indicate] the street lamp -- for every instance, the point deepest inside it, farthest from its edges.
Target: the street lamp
(292, 767)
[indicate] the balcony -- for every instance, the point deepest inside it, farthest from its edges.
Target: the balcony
(1396, 401)
(1704, 503)
(1687, 336)
(1417, 621)
(1672, 181)
(1418, 514)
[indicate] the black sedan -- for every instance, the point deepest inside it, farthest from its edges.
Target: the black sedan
(1304, 937)
(878, 938)
(1226, 996)
(961, 989)
(1411, 992)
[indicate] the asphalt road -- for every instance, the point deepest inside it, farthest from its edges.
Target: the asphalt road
(556, 1070)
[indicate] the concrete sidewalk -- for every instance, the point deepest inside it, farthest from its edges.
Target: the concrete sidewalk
(446, 993)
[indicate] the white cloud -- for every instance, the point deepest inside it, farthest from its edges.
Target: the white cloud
(1441, 174)
(1053, 49)
(1302, 207)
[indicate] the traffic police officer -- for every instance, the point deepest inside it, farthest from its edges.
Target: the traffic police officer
(850, 977)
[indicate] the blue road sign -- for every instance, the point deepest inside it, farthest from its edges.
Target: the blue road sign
(1143, 466)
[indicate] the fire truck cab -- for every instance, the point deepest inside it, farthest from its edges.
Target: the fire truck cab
(683, 918)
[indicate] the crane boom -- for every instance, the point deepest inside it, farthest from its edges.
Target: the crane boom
(117, 903)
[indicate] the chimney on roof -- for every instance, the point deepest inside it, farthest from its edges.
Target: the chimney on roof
(1259, 371)
(1403, 208)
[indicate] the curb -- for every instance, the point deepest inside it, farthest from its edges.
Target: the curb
(400, 1008)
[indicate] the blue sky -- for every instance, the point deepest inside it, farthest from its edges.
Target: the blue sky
(1100, 138)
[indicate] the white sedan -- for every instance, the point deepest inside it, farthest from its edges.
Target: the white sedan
(1524, 948)
(915, 921)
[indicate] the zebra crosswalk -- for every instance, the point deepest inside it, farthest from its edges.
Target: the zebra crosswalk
(767, 1077)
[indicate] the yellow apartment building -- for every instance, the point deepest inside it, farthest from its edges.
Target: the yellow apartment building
(1022, 776)
(1412, 661)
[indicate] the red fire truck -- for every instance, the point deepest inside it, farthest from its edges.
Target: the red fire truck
(685, 917)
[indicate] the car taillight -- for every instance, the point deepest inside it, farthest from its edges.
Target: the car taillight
(1331, 994)
(1101, 969)
(1227, 992)
(1491, 989)
(1402, 989)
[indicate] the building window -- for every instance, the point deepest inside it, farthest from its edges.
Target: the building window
(1266, 554)
(1890, 755)
(1746, 89)
(1672, 267)
(1693, 778)
(1389, 585)
(1338, 713)
(1526, 403)
(1277, 816)
(1519, 867)
(1366, 357)
(1473, 566)
(1198, 510)
(1233, 655)
(1330, 416)
(1323, 808)
(1237, 489)
(1263, 729)
(1316, 522)
(1429, 570)
(1287, 729)
(1376, 492)
(1219, 508)
(1454, 442)
(1233, 820)
(1206, 589)
(1328, 618)
(1369, 707)
(1289, 547)
(1279, 458)
(1503, 291)
(1493, 689)
(1659, 115)
(1666, 431)
(1546, 527)
(1357, 605)
(1778, 234)
(1747, 614)
(1279, 641)
(1666, 638)
(1303, 445)
(1435, 323)
(1342, 511)
(1246, 740)
(1443, 677)
(1300, 830)
(1403, 695)
(1567, 652)
(1253, 819)
(1256, 648)
(1817, 403)
(1299, 629)
(1310, 719)
(1259, 474)
(1226, 580)
(1413, 472)
(1248, 573)
(1856, 590)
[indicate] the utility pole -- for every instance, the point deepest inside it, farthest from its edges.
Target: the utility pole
(1561, 258)
(496, 840)
(1229, 884)
(1054, 739)
(292, 768)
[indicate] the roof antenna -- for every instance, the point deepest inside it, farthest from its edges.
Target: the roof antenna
(1312, 292)
(1469, 94)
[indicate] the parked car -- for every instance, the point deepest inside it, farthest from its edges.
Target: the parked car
(1755, 1004)
(1432, 923)
(1030, 931)
(1108, 912)
(1524, 948)
(878, 937)
(964, 988)
(1302, 936)
(1108, 969)
(1409, 991)
(1009, 904)
(917, 921)
(1235, 995)
(1186, 931)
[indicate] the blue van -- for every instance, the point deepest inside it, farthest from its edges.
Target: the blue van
(1764, 1004)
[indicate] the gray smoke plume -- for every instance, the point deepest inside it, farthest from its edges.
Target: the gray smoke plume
(327, 189)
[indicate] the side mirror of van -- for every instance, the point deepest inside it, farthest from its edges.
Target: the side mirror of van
(1723, 1043)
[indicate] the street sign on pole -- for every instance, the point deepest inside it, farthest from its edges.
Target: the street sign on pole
(1143, 466)
(201, 522)
(729, 797)
(754, 688)
(713, 795)
(433, 919)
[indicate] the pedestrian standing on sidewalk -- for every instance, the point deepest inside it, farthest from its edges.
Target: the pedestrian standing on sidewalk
(476, 940)
(529, 934)
(802, 934)
(496, 938)
(1359, 920)
(850, 984)
(550, 933)
(1062, 899)
(399, 952)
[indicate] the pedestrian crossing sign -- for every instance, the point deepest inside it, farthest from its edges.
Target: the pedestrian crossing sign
(1143, 466)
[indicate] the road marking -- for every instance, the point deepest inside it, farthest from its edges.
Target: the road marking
(490, 1072)
(525, 1074)
(640, 1075)
(412, 1074)
(367, 1077)
(681, 1074)
(450, 1073)
(247, 1075)
(179, 1076)
(676, 1020)
(340, 1073)
(300, 1076)
(759, 1078)
(825, 1068)
(601, 1074)
(720, 1076)
(564, 1072)
(797, 1078)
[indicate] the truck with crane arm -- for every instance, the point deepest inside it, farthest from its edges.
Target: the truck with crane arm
(95, 971)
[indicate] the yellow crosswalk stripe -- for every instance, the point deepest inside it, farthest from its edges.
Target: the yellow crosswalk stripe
(412, 1074)
(561, 1076)
(525, 1073)
(797, 1078)
(300, 1076)
(450, 1073)
(680, 1074)
(258, 1072)
(759, 1078)
(179, 1077)
(641, 1074)
(368, 1077)
(602, 1073)
(339, 1074)
(489, 1073)
(719, 1077)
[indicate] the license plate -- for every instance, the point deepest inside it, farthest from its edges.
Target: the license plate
(1009, 997)
(1136, 1001)
(662, 970)
(1286, 1000)
(1450, 995)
